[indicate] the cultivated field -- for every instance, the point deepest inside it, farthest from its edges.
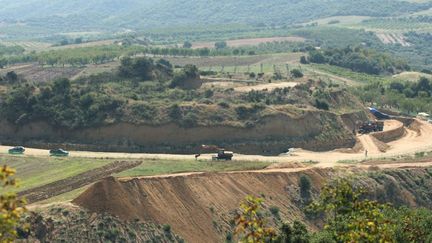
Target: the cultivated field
(249, 42)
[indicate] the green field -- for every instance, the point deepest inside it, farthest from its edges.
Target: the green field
(160, 167)
(37, 171)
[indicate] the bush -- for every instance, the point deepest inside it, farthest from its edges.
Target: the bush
(166, 228)
(189, 120)
(305, 187)
(321, 104)
(274, 211)
(303, 60)
(174, 112)
(296, 73)
(223, 104)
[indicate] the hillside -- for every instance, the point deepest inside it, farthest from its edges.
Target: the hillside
(79, 15)
(200, 207)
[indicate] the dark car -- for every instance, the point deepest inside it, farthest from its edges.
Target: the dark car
(59, 152)
(17, 150)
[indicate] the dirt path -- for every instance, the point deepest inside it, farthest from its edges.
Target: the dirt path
(339, 78)
(69, 184)
(368, 144)
(410, 143)
(269, 86)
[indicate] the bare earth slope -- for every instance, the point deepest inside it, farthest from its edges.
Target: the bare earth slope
(199, 206)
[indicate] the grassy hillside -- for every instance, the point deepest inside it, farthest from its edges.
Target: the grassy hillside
(80, 15)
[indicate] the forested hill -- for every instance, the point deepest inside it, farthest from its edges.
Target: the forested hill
(138, 14)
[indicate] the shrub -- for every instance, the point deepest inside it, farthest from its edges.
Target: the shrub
(321, 104)
(166, 228)
(305, 187)
(296, 73)
(275, 211)
(223, 104)
(174, 112)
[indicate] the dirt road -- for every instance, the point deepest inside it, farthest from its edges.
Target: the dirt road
(410, 143)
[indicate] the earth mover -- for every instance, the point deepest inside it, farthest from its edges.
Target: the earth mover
(370, 126)
(223, 155)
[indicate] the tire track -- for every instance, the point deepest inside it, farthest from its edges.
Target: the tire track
(69, 184)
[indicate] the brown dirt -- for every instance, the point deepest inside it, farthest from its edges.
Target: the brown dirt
(268, 87)
(199, 206)
(189, 203)
(69, 184)
(417, 140)
(274, 134)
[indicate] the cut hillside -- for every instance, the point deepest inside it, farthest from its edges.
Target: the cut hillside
(200, 207)
(150, 106)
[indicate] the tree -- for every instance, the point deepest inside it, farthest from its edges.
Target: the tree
(11, 76)
(78, 40)
(187, 44)
(305, 187)
(297, 233)
(189, 72)
(251, 226)
(303, 60)
(296, 73)
(349, 217)
(11, 207)
(221, 45)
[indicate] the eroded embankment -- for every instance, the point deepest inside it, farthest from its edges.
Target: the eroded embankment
(199, 207)
(272, 135)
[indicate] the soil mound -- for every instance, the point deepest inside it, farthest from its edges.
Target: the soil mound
(199, 207)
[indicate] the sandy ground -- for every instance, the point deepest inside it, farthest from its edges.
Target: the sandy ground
(268, 87)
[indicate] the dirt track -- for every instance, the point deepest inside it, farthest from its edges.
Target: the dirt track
(410, 143)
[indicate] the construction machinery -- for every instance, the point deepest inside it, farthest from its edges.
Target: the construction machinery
(223, 155)
(371, 126)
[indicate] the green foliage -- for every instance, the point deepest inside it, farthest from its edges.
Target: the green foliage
(251, 226)
(407, 97)
(54, 17)
(274, 211)
(321, 104)
(359, 60)
(187, 44)
(413, 225)
(221, 45)
(11, 207)
(10, 50)
(349, 217)
(296, 73)
(188, 73)
(59, 104)
(305, 185)
(297, 233)
(144, 68)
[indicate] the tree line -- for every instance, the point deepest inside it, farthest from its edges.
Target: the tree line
(357, 59)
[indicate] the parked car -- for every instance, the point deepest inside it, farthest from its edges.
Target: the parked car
(17, 150)
(59, 152)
